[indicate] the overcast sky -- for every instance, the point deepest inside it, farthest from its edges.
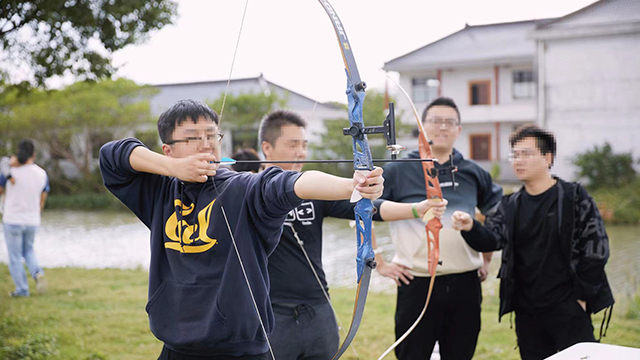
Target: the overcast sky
(293, 44)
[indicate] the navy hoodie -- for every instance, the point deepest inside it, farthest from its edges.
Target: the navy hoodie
(199, 303)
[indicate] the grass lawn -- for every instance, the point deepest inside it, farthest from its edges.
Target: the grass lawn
(99, 314)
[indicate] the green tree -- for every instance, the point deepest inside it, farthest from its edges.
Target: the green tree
(335, 145)
(72, 122)
(604, 169)
(242, 114)
(75, 37)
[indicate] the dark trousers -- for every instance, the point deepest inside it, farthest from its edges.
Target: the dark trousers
(543, 334)
(307, 332)
(168, 354)
(452, 318)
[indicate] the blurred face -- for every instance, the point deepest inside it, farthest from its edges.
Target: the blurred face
(191, 138)
(528, 162)
(442, 125)
(291, 145)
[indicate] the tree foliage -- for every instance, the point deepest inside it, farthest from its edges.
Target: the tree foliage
(603, 169)
(77, 37)
(335, 145)
(70, 123)
(242, 114)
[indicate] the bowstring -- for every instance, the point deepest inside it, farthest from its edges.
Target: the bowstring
(326, 295)
(224, 213)
(432, 280)
(233, 60)
(244, 272)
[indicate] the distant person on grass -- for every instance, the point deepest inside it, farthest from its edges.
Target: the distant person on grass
(25, 192)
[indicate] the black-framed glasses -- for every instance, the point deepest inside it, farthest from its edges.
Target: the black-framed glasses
(199, 140)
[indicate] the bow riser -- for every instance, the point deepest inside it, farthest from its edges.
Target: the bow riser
(433, 191)
(362, 159)
(364, 218)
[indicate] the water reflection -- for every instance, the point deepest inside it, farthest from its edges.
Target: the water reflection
(89, 240)
(119, 240)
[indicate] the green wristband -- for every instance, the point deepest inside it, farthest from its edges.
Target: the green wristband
(415, 211)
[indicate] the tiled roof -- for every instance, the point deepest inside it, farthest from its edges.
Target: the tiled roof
(473, 44)
(602, 12)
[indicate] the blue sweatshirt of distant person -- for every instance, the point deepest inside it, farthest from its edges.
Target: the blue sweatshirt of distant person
(199, 302)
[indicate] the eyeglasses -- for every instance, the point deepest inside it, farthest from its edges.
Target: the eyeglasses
(199, 140)
(439, 121)
(524, 154)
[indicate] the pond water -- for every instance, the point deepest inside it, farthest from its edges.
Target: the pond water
(118, 240)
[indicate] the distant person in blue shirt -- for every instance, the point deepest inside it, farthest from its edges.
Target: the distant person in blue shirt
(200, 305)
(26, 187)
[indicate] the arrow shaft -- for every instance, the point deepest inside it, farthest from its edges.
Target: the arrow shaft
(317, 161)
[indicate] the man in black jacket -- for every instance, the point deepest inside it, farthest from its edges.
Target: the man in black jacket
(453, 315)
(554, 249)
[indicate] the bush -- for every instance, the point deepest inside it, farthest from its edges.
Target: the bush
(495, 172)
(619, 205)
(604, 169)
(84, 201)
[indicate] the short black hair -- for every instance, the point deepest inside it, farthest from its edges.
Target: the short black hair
(545, 141)
(246, 154)
(442, 101)
(26, 149)
(179, 113)
(271, 125)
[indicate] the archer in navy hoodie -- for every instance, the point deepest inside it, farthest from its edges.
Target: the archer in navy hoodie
(210, 227)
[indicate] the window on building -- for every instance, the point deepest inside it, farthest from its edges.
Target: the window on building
(480, 145)
(480, 92)
(524, 84)
(425, 89)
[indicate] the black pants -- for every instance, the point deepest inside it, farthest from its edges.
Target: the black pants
(543, 334)
(168, 354)
(452, 318)
(304, 332)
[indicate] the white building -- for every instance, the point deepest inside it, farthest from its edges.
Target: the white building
(589, 79)
(578, 75)
(208, 91)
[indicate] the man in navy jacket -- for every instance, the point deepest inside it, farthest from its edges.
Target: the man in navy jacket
(211, 232)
